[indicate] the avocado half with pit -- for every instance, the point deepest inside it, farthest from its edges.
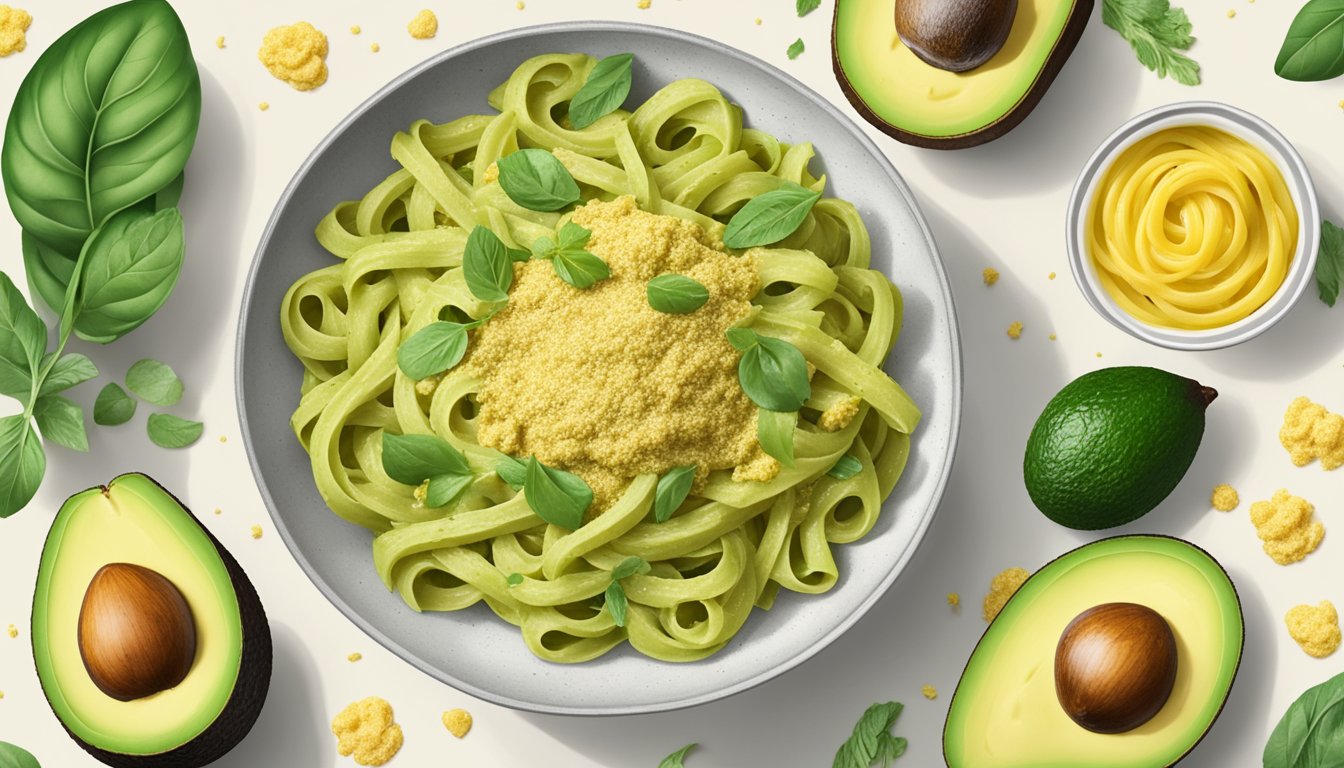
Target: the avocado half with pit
(897, 62)
(1119, 654)
(150, 642)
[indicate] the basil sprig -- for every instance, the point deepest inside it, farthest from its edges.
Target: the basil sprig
(512, 471)
(1314, 46)
(536, 180)
(676, 294)
(617, 604)
(845, 467)
(774, 430)
(434, 349)
(603, 92)
(414, 459)
(487, 266)
(872, 740)
(558, 497)
(571, 262)
(1330, 262)
(676, 759)
(673, 488)
(770, 217)
(772, 372)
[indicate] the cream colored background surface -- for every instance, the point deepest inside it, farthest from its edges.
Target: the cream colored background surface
(1000, 205)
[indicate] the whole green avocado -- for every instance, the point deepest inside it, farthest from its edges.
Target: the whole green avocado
(1113, 444)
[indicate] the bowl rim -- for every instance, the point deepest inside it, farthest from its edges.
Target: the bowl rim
(942, 473)
(1246, 126)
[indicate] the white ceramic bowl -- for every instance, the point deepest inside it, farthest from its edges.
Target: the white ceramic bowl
(1259, 134)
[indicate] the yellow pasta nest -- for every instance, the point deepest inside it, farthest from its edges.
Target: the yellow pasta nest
(1315, 629)
(365, 731)
(1002, 587)
(1224, 498)
(457, 721)
(424, 26)
(1286, 526)
(1310, 432)
(14, 23)
(296, 54)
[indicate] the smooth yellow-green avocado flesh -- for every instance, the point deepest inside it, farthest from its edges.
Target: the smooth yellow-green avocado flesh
(1005, 713)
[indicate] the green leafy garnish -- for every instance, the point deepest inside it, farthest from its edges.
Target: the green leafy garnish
(1308, 735)
(512, 471)
(1157, 32)
(629, 567)
(487, 266)
(774, 430)
(558, 497)
(675, 760)
(131, 264)
(154, 382)
(616, 602)
(1314, 46)
(113, 406)
(536, 180)
(676, 294)
(571, 262)
(770, 217)
(1330, 262)
(62, 422)
(514, 579)
(772, 371)
(16, 757)
(795, 48)
(805, 7)
(673, 488)
(603, 92)
(846, 467)
(22, 463)
(872, 740)
(169, 431)
(417, 459)
(69, 371)
(444, 488)
(433, 349)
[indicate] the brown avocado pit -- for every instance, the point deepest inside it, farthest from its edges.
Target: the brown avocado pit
(955, 35)
(1115, 666)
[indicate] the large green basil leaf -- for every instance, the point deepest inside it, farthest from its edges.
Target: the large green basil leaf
(130, 266)
(1311, 733)
(12, 756)
(106, 118)
(1314, 46)
(22, 464)
(48, 270)
(23, 342)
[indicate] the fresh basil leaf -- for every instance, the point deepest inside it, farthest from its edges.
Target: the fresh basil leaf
(49, 271)
(169, 431)
(486, 266)
(131, 264)
(22, 464)
(677, 759)
(617, 605)
(113, 406)
(573, 236)
(518, 254)
(69, 371)
(154, 382)
(1330, 262)
(62, 422)
(1158, 33)
(770, 217)
(512, 471)
(603, 92)
(676, 294)
(514, 579)
(772, 372)
(805, 7)
(1314, 46)
(444, 488)
(171, 195)
(845, 468)
(543, 248)
(413, 459)
(432, 350)
(580, 269)
(120, 92)
(872, 738)
(795, 49)
(629, 567)
(23, 341)
(536, 180)
(16, 757)
(774, 430)
(673, 488)
(558, 497)
(1309, 734)
(742, 339)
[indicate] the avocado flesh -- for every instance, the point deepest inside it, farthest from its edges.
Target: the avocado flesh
(136, 521)
(927, 106)
(1005, 713)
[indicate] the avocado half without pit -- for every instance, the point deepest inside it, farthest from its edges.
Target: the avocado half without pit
(150, 643)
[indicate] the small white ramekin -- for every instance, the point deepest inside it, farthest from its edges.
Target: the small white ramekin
(1239, 123)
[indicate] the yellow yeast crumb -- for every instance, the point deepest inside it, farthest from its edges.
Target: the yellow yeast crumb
(1098, 354)
(424, 26)
(929, 692)
(1341, 103)
(1053, 337)
(954, 599)
(2, 694)
(263, 106)
(1311, 432)
(223, 438)
(256, 531)
(218, 511)
(296, 54)
(365, 730)
(356, 656)
(14, 23)
(426, 387)
(758, 21)
(457, 721)
(1014, 330)
(375, 47)
(644, 4)
(1001, 588)
(1224, 498)
(520, 5)
(491, 174)
(1051, 276)
(219, 41)
(990, 275)
(1316, 629)
(1286, 526)
(838, 416)
(1231, 13)
(13, 631)
(355, 29)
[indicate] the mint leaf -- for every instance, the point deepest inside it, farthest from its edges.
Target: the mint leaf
(556, 496)
(676, 294)
(1330, 262)
(846, 467)
(617, 604)
(113, 406)
(805, 7)
(1157, 32)
(871, 739)
(486, 266)
(603, 92)
(675, 760)
(62, 422)
(22, 464)
(413, 459)
(536, 180)
(673, 488)
(154, 382)
(432, 350)
(168, 431)
(770, 217)
(795, 48)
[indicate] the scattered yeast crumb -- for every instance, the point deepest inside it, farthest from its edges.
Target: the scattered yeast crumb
(14, 23)
(1098, 354)
(990, 275)
(366, 731)
(2, 694)
(424, 26)
(1053, 337)
(1050, 276)
(296, 54)
(643, 5)
(263, 106)
(375, 48)
(839, 416)
(1311, 432)
(520, 5)
(13, 631)
(1015, 330)
(929, 692)
(218, 511)
(953, 599)
(256, 531)
(1314, 628)
(356, 656)
(457, 721)
(1224, 498)
(219, 41)
(1286, 526)
(1231, 13)
(1341, 103)
(225, 438)
(355, 29)
(1001, 588)
(758, 23)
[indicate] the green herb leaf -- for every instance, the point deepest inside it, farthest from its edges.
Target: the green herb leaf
(518, 254)
(515, 579)
(171, 195)
(113, 406)
(131, 264)
(23, 342)
(49, 271)
(1308, 735)
(673, 488)
(536, 180)
(446, 487)
(61, 422)
(603, 92)
(512, 471)
(676, 294)
(872, 739)
(805, 7)
(154, 382)
(774, 430)
(1330, 262)
(845, 468)
(629, 567)
(1314, 46)
(772, 371)
(1157, 32)
(169, 431)
(617, 605)
(795, 49)
(70, 371)
(432, 350)
(676, 759)
(580, 269)
(487, 266)
(770, 217)
(22, 464)
(742, 339)
(16, 757)
(413, 459)
(558, 497)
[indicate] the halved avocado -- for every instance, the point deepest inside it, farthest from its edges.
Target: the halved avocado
(136, 531)
(920, 104)
(1006, 712)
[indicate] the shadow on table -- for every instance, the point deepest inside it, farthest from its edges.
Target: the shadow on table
(292, 731)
